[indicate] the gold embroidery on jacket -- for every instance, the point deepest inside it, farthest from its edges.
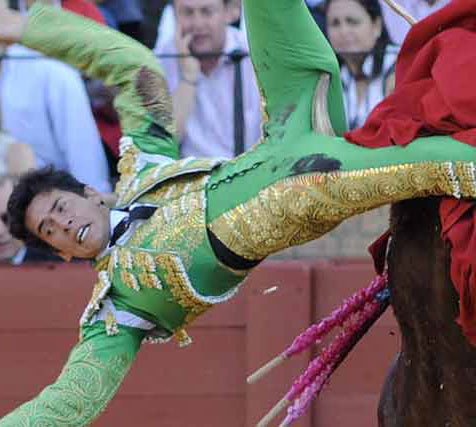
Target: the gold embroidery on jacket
(467, 178)
(125, 258)
(298, 209)
(182, 337)
(130, 280)
(178, 226)
(81, 392)
(100, 290)
(150, 281)
(127, 165)
(180, 286)
(148, 178)
(144, 261)
(102, 264)
(111, 324)
(137, 269)
(174, 190)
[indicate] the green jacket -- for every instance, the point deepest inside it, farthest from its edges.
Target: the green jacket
(144, 289)
(169, 252)
(165, 271)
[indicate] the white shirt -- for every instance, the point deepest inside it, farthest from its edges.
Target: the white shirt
(44, 104)
(210, 126)
(397, 26)
(115, 217)
(357, 113)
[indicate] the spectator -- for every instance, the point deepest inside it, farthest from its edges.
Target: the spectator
(11, 250)
(25, 87)
(44, 104)
(15, 159)
(203, 87)
(419, 9)
(166, 28)
(360, 39)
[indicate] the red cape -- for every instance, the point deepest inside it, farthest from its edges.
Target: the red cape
(84, 8)
(435, 94)
(435, 90)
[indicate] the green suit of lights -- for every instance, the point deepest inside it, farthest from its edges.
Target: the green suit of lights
(300, 181)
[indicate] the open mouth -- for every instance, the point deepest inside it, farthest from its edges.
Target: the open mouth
(83, 233)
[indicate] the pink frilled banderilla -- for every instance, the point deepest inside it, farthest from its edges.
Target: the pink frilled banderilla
(355, 316)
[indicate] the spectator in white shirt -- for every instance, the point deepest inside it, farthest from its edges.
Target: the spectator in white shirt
(203, 87)
(15, 159)
(166, 28)
(360, 39)
(44, 104)
(418, 9)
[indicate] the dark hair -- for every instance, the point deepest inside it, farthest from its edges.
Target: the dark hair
(30, 185)
(373, 9)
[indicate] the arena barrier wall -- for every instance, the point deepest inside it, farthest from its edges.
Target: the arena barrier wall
(204, 384)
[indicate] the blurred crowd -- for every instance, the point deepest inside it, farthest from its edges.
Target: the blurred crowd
(50, 114)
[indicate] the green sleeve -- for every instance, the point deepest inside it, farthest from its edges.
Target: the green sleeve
(143, 100)
(93, 373)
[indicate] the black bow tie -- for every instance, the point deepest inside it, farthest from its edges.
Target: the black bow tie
(140, 212)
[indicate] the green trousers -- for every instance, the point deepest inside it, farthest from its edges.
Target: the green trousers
(303, 178)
